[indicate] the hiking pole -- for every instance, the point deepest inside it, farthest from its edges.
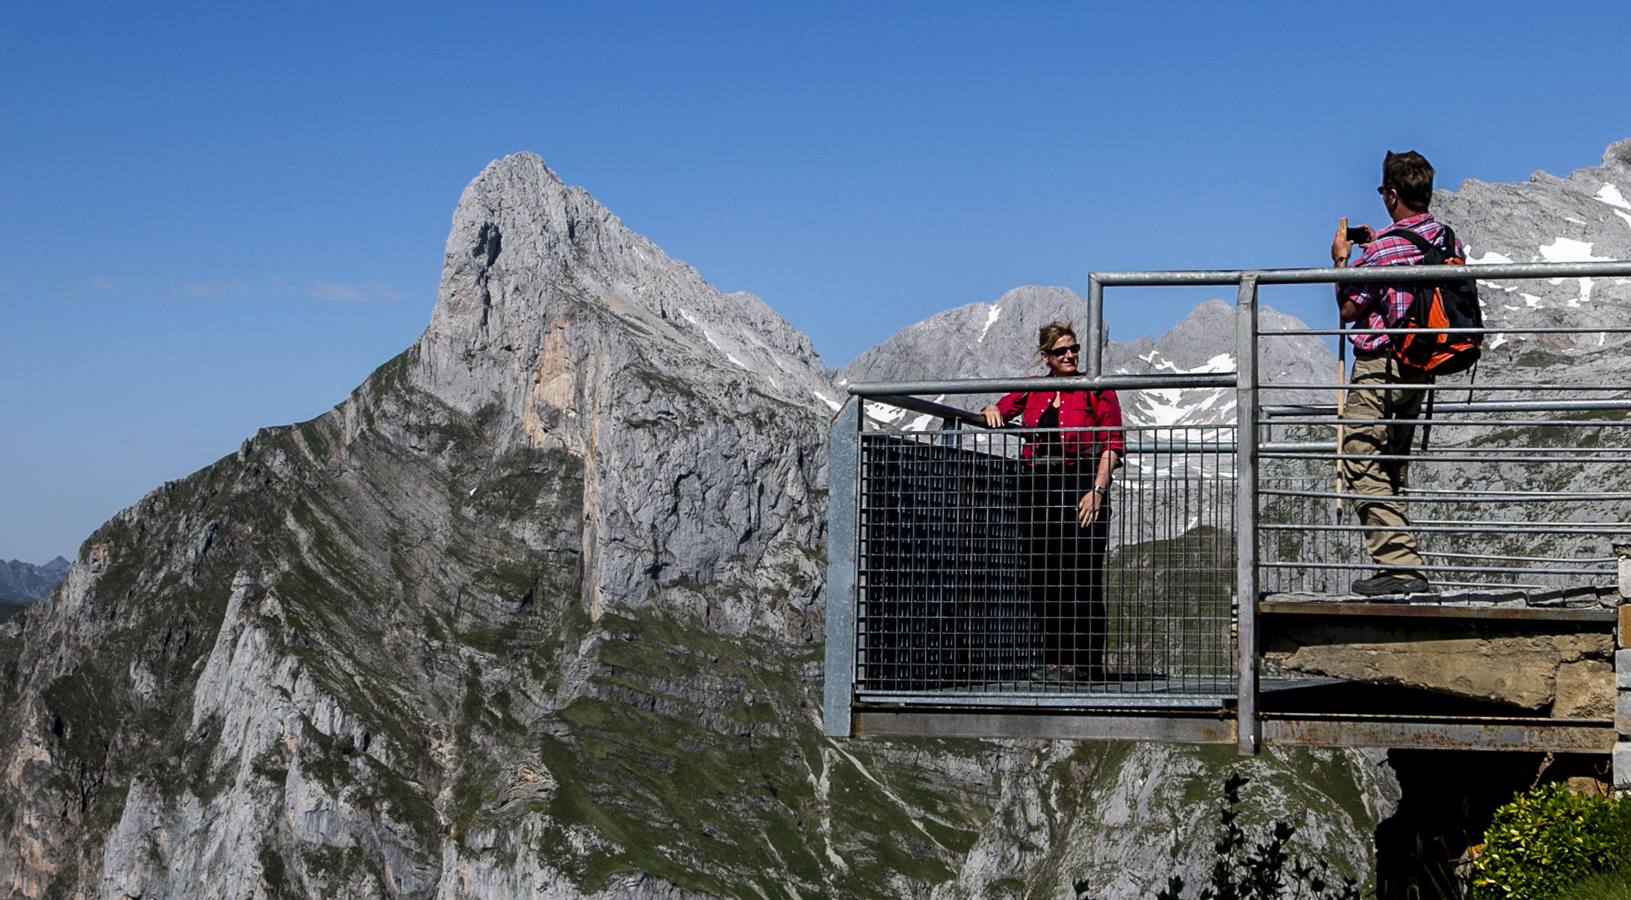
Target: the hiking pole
(1342, 401)
(1427, 419)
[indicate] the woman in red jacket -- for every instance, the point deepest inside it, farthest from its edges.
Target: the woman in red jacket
(1073, 444)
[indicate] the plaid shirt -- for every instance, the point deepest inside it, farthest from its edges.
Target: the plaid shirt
(1385, 305)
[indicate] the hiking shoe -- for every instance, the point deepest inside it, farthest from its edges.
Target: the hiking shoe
(1383, 583)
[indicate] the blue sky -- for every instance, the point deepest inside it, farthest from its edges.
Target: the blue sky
(220, 216)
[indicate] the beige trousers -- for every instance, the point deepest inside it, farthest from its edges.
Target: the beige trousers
(1384, 519)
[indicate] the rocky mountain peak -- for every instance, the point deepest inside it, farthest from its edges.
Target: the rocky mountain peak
(1583, 217)
(970, 341)
(1618, 155)
(529, 259)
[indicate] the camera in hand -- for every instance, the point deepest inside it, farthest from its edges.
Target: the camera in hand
(1359, 234)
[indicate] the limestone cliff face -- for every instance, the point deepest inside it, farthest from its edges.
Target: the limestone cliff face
(536, 612)
(697, 416)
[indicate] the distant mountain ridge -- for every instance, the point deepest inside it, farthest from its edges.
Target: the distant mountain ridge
(22, 583)
(998, 340)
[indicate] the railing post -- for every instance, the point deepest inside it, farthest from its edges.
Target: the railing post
(1621, 759)
(1246, 728)
(1095, 326)
(843, 532)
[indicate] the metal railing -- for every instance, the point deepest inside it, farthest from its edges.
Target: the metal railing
(979, 584)
(950, 587)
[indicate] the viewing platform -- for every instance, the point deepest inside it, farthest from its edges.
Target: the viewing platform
(935, 626)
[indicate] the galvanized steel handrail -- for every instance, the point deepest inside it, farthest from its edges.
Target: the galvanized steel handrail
(930, 408)
(1367, 275)
(1249, 449)
(877, 390)
(1497, 406)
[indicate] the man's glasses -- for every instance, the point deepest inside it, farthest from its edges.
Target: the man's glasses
(1057, 352)
(1381, 189)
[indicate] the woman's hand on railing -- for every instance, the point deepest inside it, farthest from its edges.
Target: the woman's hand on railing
(993, 416)
(1087, 509)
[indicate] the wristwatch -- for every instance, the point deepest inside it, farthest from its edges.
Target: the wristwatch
(1100, 490)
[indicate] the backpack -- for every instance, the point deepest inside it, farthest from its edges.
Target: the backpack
(1440, 304)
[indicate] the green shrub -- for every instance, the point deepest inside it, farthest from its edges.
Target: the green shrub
(1546, 840)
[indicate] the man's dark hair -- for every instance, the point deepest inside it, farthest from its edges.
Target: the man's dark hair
(1411, 175)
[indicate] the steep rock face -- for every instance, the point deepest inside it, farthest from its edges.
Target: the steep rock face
(682, 403)
(536, 612)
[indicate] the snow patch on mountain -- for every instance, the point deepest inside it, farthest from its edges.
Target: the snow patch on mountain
(1180, 406)
(1569, 250)
(1611, 195)
(990, 320)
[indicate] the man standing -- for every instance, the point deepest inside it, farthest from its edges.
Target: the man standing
(1373, 466)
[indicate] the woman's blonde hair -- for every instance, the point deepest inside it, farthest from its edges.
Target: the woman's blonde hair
(1052, 332)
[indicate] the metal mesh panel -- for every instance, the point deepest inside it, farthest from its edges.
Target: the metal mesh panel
(976, 579)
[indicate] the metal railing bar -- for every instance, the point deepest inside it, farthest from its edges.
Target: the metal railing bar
(1073, 383)
(1288, 447)
(1564, 423)
(1389, 274)
(1165, 475)
(1476, 492)
(1021, 431)
(1603, 525)
(1493, 585)
(1202, 447)
(1537, 329)
(1434, 456)
(1495, 570)
(1281, 410)
(1552, 559)
(1073, 699)
(927, 438)
(1456, 386)
(1471, 528)
(1502, 497)
(929, 407)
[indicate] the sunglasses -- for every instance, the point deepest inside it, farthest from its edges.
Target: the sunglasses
(1383, 188)
(1061, 351)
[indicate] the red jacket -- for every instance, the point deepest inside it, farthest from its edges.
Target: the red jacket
(1086, 417)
